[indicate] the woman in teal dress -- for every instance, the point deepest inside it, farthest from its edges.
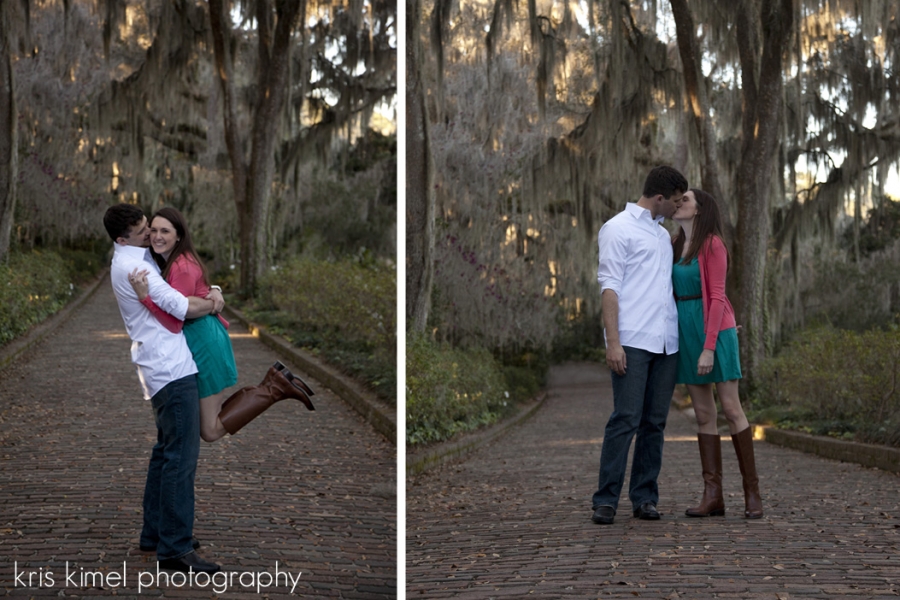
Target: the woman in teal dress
(708, 350)
(207, 338)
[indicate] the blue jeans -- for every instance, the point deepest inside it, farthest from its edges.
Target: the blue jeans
(169, 492)
(641, 399)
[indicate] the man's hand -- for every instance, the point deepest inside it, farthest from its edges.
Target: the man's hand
(218, 301)
(615, 357)
(615, 354)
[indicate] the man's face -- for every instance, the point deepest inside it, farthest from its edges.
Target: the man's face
(138, 235)
(669, 205)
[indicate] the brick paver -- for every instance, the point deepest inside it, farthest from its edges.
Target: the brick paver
(513, 519)
(314, 492)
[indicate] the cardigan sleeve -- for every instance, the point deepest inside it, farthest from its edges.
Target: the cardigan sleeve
(183, 278)
(716, 266)
(165, 319)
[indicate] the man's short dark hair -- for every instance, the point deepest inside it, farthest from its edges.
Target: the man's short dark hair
(666, 181)
(120, 218)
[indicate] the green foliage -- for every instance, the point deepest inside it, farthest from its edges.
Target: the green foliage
(369, 150)
(343, 311)
(357, 212)
(33, 286)
(358, 301)
(881, 228)
(450, 390)
(857, 296)
(345, 222)
(837, 382)
(580, 338)
(83, 263)
(523, 383)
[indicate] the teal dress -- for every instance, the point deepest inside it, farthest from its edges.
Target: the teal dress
(691, 336)
(208, 341)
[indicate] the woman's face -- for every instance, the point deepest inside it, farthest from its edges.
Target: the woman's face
(163, 236)
(687, 209)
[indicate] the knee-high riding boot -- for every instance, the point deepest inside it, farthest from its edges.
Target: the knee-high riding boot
(743, 446)
(713, 503)
(248, 403)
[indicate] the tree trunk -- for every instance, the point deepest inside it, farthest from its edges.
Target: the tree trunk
(220, 25)
(9, 163)
(698, 104)
(252, 182)
(762, 105)
(699, 107)
(275, 56)
(420, 205)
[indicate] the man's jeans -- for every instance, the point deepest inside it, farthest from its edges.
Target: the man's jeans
(641, 405)
(169, 493)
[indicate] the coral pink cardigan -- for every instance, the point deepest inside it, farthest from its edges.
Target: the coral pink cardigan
(718, 314)
(186, 276)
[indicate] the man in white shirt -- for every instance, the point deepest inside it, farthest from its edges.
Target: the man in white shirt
(641, 329)
(167, 374)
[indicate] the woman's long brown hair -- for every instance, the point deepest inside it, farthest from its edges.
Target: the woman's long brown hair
(183, 246)
(707, 222)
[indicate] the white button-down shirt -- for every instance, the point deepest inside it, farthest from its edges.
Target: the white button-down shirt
(636, 263)
(160, 355)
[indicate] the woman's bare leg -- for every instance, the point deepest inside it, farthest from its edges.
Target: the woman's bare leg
(731, 406)
(211, 427)
(704, 404)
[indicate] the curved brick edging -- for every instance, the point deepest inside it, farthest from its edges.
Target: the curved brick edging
(351, 392)
(12, 350)
(418, 463)
(868, 455)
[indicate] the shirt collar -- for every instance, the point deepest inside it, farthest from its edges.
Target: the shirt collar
(133, 251)
(639, 212)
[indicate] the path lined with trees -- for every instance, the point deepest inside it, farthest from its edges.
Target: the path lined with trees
(314, 491)
(243, 116)
(513, 518)
(269, 125)
(531, 124)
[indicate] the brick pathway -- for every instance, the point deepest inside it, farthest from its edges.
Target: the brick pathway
(312, 491)
(513, 519)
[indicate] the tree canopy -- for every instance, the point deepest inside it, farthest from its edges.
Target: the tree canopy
(245, 115)
(544, 118)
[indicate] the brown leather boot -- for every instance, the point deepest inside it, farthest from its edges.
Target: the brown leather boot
(248, 403)
(713, 503)
(743, 446)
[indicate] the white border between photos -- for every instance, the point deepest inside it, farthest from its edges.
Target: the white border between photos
(401, 300)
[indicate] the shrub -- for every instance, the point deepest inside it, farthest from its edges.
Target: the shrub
(344, 311)
(580, 338)
(358, 301)
(857, 296)
(522, 383)
(33, 285)
(84, 263)
(450, 390)
(839, 382)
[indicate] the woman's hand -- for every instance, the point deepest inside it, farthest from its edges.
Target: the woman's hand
(705, 363)
(138, 280)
